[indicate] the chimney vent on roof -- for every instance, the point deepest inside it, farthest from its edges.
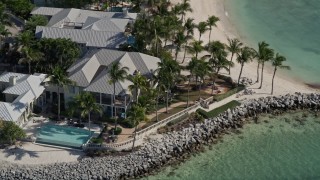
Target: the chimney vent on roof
(125, 11)
(12, 80)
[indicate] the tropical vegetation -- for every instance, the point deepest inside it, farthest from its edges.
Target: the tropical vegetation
(10, 132)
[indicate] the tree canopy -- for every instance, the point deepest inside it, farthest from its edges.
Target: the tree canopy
(10, 132)
(61, 52)
(34, 21)
(71, 3)
(21, 8)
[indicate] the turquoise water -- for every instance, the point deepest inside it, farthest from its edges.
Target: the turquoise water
(63, 136)
(279, 148)
(291, 27)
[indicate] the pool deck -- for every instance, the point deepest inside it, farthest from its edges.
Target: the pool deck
(30, 153)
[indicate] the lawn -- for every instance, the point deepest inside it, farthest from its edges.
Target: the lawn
(162, 116)
(215, 112)
(193, 96)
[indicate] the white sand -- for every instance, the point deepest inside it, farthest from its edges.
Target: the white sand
(202, 9)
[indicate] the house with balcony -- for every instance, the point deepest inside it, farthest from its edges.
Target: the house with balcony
(90, 73)
(90, 29)
(19, 94)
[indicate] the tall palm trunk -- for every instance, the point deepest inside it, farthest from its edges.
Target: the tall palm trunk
(258, 72)
(200, 83)
(188, 91)
(210, 33)
(213, 84)
(274, 73)
(89, 122)
(184, 54)
(176, 54)
(29, 63)
(242, 64)
(167, 101)
(58, 103)
(137, 96)
(157, 118)
(230, 63)
(261, 75)
(114, 106)
(134, 137)
(200, 36)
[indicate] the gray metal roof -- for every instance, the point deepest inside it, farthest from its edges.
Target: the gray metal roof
(4, 77)
(101, 85)
(45, 11)
(27, 88)
(106, 24)
(60, 16)
(89, 37)
(94, 77)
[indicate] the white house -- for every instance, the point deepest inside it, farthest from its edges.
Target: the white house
(20, 92)
(90, 73)
(90, 29)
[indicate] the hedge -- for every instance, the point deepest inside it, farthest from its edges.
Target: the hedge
(229, 93)
(116, 132)
(215, 112)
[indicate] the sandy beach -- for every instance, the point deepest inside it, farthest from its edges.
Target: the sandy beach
(283, 84)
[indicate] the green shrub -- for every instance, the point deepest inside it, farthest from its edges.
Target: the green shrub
(117, 131)
(217, 111)
(97, 140)
(107, 119)
(126, 123)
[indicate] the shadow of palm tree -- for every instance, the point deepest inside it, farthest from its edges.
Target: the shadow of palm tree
(19, 153)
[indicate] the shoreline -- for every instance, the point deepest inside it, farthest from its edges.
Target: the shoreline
(227, 22)
(171, 147)
(284, 83)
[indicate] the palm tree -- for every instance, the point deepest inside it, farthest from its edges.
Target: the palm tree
(195, 48)
(188, 27)
(192, 68)
(4, 33)
(180, 40)
(202, 28)
(244, 56)
(234, 47)
(136, 114)
(202, 69)
(277, 63)
(268, 55)
(116, 74)
(221, 62)
(184, 8)
(212, 20)
(4, 17)
(60, 79)
(26, 38)
(139, 83)
(215, 48)
(260, 55)
(30, 55)
(87, 104)
(167, 73)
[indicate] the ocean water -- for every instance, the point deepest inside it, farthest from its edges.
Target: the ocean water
(276, 148)
(291, 27)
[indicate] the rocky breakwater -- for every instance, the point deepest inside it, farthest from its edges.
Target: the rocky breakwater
(171, 147)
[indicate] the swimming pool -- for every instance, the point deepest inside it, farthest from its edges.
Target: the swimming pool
(63, 136)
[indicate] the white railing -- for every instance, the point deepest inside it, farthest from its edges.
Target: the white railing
(144, 132)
